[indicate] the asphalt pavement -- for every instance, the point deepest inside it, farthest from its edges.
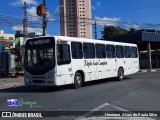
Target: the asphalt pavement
(138, 92)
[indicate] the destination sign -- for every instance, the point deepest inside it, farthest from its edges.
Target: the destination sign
(39, 42)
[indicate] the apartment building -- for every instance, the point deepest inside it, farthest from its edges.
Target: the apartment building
(75, 18)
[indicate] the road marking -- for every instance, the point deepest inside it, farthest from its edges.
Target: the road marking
(92, 111)
(84, 117)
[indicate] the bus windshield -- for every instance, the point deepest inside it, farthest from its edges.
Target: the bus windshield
(39, 59)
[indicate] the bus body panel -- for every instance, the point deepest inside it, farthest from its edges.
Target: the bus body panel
(111, 67)
(127, 66)
(93, 69)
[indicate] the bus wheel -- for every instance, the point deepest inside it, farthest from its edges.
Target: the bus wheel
(78, 80)
(120, 74)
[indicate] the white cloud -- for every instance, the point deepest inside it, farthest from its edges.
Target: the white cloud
(133, 26)
(30, 29)
(107, 21)
(50, 17)
(32, 13)
(21, 2)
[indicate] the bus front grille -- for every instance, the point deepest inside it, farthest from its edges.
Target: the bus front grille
(37, 81)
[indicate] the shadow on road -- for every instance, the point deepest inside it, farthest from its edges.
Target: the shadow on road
(40, 89)
(102, 81)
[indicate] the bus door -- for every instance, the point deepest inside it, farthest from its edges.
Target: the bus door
(135, 60)
(101, 61)
(111, 69)
(64, 67)
(90, 62)
(127, 60)
(120, 57)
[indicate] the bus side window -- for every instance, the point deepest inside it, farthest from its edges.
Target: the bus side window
(100, 51)
(77, 52)
(88, 50)
(134, 53)
(119, 51)
(127, 52)
(63, 54)
(110, 50)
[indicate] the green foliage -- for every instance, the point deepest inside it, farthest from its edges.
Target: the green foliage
(18, 34)
(19, 66)
(132, 30)
(110, 31)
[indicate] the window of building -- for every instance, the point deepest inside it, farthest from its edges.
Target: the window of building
(1, 37)
(134, 53)
(110, 49)
(127, 52)
(10, 38)
(119, 51)
(76, 50)
(100, 51)
(88, 50)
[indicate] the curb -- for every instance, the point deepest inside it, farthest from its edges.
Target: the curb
(149, 70)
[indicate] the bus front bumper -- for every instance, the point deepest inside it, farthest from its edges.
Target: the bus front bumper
(39, 82)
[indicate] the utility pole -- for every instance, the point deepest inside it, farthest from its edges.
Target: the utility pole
(44, 20)
(95, 29)
(25, 29)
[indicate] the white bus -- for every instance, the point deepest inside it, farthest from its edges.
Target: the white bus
(59, 60)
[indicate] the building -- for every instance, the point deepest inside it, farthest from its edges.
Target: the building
(6, 36)
(75, 18)
(148, 45)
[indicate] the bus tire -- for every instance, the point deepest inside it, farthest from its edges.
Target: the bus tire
(120, 74)
(78, 80)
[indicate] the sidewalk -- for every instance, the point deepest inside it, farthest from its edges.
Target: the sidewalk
(11, 82)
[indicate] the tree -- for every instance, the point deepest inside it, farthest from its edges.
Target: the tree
(18, 59)
(110, 31)
(18, 34)
(132, 30)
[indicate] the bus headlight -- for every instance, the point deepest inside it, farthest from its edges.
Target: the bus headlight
(26, 75)
(49, 75)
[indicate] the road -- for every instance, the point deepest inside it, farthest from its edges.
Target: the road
(138, 92)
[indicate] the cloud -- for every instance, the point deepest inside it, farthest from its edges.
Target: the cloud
(32, 14)
(21, 2)
(96, 5)
(132, 25)
(106, 21)
(30, 29)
